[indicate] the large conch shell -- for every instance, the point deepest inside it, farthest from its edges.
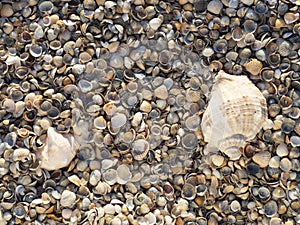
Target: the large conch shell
(235, 114)
(58, 151)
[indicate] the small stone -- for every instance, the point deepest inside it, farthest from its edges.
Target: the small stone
(67, 198)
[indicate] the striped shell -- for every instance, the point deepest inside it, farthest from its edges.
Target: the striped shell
(234, 115)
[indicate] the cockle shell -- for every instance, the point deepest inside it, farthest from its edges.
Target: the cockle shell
(235, 114)
(58, 151)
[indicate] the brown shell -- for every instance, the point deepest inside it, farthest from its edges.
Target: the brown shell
(234, 115)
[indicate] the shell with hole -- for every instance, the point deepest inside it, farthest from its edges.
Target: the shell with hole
(235, 114)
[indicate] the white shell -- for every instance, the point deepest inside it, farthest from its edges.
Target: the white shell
(235, 114)
(58, 151)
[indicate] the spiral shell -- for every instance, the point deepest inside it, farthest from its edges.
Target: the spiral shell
(234, 115)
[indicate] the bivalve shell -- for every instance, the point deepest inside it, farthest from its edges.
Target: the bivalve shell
(254, 66)
(262, 158)
(140, 148)
(123, 174)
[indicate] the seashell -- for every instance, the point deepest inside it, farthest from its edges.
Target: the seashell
(284, 48)
(20, 211)
(235, 206)
(282, 150)
(250, 26)
(46, 7)
(35, 50)
(161, 92)
(261, 54)
(189, 141)
(110, 176)
(290, 17)
(267, 74)
(285, 102)
(207, 52)
(29, 115)
(85, 57)
(53, 113)
(58, 151)
(254, 66)
(6, 10)
(100, 122)
(20, 154)
(118, 120)
(285, 165)
(262, 158)
(124, 174)
(193, 122)
(188, 191)
(287, 125)
(67, 198)
(140, 148)
(237, 34)
(261, 8)
(217, 160)
(275, 221)
(215, 7)
(270, 208)
(245, 53)
(264, 193)
(220, 46)
(155, 23)
(235, 114)
(8, 28)
(294, 113)
(278, 193)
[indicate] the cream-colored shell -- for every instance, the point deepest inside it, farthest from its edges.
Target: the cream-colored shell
(235, 114)
(58, 151)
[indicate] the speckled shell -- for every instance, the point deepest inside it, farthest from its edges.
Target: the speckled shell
(235, 114)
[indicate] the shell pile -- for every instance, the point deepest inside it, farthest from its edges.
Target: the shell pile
(118, 112)
(235, 113)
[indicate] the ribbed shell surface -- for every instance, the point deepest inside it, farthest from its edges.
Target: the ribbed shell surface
(235, 113)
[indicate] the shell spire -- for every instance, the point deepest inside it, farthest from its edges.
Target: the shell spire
(235, 114)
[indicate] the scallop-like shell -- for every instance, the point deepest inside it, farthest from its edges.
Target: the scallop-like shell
(235, 114)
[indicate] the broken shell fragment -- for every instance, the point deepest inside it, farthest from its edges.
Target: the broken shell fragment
(58, 151)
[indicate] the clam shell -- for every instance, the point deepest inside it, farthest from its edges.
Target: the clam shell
(235, 114)
(254, 66)
(262, 158)
(140, 148)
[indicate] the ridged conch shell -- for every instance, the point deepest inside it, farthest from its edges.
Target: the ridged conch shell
(235, 114)
(58, 151)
